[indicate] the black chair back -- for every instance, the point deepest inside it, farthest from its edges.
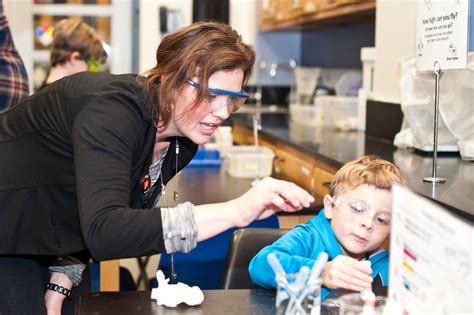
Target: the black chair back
(244, 245)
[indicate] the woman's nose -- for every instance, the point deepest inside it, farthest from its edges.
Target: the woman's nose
(222, 112)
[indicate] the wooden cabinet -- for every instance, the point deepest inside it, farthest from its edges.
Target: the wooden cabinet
(242, 135)
(287, 15)
(322, 182)
(289, 221)
(293, 168)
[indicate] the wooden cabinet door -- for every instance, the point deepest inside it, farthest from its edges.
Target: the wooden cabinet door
(241, 135)
(267, 11)
(294, 169)
(322, 182)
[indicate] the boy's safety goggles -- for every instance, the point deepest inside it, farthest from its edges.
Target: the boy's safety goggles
(356, 210)
(219, 98)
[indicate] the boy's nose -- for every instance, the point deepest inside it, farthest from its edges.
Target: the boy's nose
(368, 223)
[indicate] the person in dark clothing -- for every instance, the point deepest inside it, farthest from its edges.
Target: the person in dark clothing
(85, 160)
(76, 47)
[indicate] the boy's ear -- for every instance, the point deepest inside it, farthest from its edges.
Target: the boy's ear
(327, 207)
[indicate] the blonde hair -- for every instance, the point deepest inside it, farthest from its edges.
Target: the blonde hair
(368, 170)
(72, 34)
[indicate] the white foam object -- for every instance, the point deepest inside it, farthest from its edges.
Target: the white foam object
(170, 295)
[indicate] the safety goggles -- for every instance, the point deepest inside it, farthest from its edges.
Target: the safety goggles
(357, 210)
(219, 98)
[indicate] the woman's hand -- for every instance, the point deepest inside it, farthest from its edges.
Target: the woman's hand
(265, 198)
(347, 273)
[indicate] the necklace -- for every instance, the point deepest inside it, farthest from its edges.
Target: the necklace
(174, 276)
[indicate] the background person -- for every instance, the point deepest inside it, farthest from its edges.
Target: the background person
(76, 47)
(89, 155)
(351, 228)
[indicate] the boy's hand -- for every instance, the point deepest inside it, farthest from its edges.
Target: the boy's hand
(347, 273)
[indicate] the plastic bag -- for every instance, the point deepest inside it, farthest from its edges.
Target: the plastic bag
(456, 106)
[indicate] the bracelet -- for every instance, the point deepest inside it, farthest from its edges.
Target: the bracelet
(59, 289)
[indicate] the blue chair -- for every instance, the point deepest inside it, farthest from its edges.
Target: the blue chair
(204, 265)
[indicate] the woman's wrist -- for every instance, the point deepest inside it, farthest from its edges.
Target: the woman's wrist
(233, 210)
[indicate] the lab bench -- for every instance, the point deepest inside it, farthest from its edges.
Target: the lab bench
(311, 156)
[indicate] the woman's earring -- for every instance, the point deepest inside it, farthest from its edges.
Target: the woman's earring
(170, 108)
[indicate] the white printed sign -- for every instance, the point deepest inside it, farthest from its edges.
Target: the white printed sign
(431, 258)
(441, 34)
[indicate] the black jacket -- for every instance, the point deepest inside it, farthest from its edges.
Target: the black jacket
(71, 160)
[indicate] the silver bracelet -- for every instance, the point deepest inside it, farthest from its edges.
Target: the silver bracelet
(179, 228)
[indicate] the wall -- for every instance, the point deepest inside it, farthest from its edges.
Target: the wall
(149, 23)
(395, 39)
(277, 48)
(243, 17)
(337, 47)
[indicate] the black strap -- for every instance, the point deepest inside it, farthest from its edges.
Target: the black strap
(59, 289)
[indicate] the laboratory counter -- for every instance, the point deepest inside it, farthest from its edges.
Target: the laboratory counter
(333, 148)
(244, 301)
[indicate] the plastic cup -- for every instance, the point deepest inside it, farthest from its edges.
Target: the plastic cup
(292, 299)
(352, 304)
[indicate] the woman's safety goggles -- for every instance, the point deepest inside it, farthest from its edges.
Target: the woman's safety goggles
(219, 98)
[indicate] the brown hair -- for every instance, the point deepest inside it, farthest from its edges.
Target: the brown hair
(72, 34)
(369, 170)
(198, 50)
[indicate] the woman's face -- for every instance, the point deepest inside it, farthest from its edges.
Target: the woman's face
(200, 125)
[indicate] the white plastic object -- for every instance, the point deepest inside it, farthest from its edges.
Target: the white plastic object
(249, 161)
(455, 105)
(170, 295)
(224, 139)
(349, 84)
(318, 266)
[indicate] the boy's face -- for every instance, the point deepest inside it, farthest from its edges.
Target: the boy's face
(360, 219)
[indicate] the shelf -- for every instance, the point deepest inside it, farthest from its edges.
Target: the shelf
(324, 18)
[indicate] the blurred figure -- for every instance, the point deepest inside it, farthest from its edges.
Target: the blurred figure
(13, 77)
(76, 47)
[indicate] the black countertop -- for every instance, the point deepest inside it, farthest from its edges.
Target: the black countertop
(245, 301)
(335, 148)
(202, 185)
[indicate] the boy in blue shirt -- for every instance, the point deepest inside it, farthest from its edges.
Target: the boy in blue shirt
(351, 228)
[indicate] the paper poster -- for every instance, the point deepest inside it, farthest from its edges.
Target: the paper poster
(431, 258)
(441, 34)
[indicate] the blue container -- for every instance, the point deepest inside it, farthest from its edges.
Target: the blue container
(206, 157)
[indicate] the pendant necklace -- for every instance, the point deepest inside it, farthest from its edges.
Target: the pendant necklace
(174, 276)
